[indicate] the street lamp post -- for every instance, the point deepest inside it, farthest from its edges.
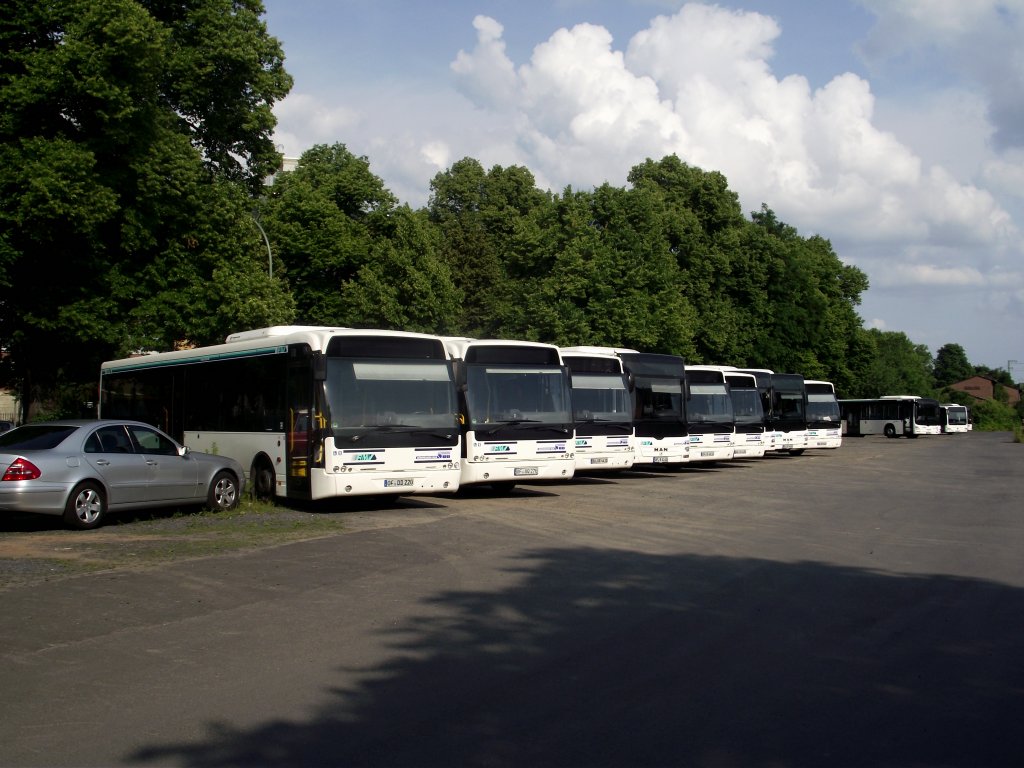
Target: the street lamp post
(270, 255)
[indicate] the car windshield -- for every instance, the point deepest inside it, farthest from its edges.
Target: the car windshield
(36, 436)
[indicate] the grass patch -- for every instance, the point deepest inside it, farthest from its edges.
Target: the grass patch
(152, 537)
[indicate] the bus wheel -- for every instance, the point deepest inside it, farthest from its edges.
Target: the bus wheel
(505, 486)
(262, 475)
(797, 452)
(890, 430)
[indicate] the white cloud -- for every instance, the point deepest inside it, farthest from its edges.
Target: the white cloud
(979, 41)
(309, 121)
(437, 154)
(919, 185)
(487, 76)
(1006, 174)
(698, 84)
(930, 275)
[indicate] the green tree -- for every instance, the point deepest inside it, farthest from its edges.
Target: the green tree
(352, 255)
(607, 277)
(700, 224)
(123, 126)
(951, 365)
(994, 416)
(813, 326)
(899, 367)
(489, 224)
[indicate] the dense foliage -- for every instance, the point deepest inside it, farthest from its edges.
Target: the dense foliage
(135, 140)
(132, 134)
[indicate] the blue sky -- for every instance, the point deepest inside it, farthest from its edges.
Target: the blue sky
(895, 128)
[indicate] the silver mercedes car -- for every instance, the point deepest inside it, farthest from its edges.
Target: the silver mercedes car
(85, 469)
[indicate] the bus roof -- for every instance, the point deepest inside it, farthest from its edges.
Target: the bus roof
(465, 348)
(586, 350)
(261, 341)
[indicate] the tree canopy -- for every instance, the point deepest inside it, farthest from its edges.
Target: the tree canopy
(135, 151)
(132, 134)
(951, 365)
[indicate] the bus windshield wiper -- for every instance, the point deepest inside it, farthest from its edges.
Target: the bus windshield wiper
(431, 433)
(509, 423)
(371, 428)
(610, 422)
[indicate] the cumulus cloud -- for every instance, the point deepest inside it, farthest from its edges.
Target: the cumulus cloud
(698, 84)
(319, 123)
(1006, 173)
(922, 192)
(931, 275)
(487, 76)
(981, 41)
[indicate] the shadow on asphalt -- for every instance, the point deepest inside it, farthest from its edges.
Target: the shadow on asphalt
(610, 658)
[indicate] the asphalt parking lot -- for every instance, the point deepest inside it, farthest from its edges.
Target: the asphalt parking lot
(859, 607)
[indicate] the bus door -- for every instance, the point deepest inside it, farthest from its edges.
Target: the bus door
(851, 423)
(303, 446)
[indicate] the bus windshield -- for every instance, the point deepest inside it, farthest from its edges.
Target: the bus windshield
(599, 397)
(389, 394)
(789, 406)
(956, 415)
(927, 412)
(659, 399)
(822, 407)
(709, 404)
(517, 394)
(746, 406)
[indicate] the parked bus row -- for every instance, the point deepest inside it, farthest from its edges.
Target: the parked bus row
(903, 415)
(319, 412)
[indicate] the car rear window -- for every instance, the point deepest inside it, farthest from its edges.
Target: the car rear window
(38, 436)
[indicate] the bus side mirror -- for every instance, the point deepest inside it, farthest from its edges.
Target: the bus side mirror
(459, 372)
(631, 382)
(319, 367)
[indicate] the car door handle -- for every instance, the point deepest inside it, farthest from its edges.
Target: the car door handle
(152, 463)
(103, 462)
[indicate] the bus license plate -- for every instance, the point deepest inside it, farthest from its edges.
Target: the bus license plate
(405, 483)
(661, 459)
(707, 453)
(525, 471)
(599, 460)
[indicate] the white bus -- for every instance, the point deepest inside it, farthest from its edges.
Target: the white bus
(824, 422)
(602, 410)
(516, 412)
(752, 438)
(784, 399)
(658, 385)
(311, 412)
(710, 420)
(892, 416)
(954, 417)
